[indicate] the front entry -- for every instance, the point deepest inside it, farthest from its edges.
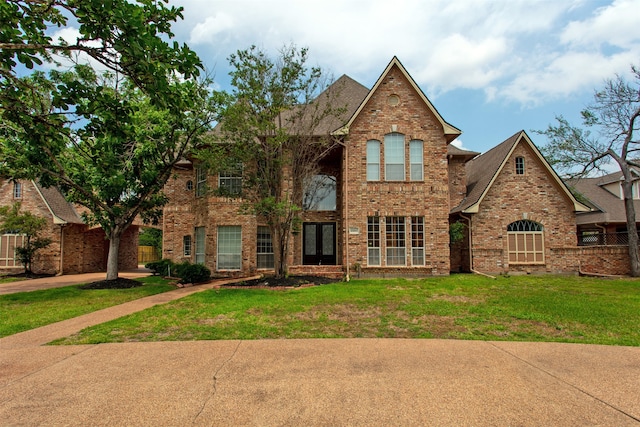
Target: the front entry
(319, 243)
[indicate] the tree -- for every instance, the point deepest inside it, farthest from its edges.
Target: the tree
(615, 115)
(109, 139)
(271, 122)
(11, 220)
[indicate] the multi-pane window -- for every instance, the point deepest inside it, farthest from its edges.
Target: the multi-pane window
(396, 240)
(519, 165)
(525, 241)
(230, 181)
(394, 157)
(417, 240)
(200, 245)
(229, 247)
(8, 244)
(17, 190)
(320, 193)
(186, 246)
(373, 160)
(264, 249)
(373, 240)
(201, 181)
(416, 160)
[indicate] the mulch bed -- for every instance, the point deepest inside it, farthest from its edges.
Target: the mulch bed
(285, 282)
(119, 283)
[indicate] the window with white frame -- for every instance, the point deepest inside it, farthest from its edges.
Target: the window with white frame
(186, 246)
(229, 247)
(525, 240)
(264, 250)
(394, 157)
(201, 181)
(373, 160)
(519, 165)
(230, 181)
(417, 240)
(200, 245)
(416, 150)
(17, 190)
(396, 240)
(373, 240)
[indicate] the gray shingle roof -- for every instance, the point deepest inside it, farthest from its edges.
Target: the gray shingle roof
(58, 205)
(609, 207)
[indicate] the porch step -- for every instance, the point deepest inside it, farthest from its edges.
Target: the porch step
(331, 271)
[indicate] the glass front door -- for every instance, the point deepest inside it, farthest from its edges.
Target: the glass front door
(319, 243)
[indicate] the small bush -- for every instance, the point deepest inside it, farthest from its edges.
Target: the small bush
(163, 267)
(192, 273)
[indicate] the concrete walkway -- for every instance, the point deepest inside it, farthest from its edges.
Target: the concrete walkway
(355, 382)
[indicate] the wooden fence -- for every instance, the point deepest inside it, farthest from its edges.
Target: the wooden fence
(147, 254)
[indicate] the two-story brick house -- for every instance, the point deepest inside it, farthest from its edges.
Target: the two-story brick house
(390, 190)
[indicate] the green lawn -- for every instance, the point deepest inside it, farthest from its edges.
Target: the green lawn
(9, 279)
(519, 308)
(27, 310)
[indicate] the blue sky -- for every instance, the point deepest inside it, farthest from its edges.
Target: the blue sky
(491, 68)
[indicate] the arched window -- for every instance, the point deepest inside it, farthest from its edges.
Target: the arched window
(525, 240)
(394, 157)
(373, 160)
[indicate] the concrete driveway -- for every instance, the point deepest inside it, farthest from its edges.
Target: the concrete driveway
(347, 382)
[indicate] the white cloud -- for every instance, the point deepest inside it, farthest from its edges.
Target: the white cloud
(206, 32)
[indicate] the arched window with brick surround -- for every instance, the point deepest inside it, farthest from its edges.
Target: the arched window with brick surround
(525, 240)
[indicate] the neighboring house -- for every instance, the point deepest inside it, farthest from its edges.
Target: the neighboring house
(520, 214)
(75, 247)
(390, 190)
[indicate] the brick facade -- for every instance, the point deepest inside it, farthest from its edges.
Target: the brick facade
(74, 248)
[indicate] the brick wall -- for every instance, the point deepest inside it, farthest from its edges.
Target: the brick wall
(428, 198)
(534, 196)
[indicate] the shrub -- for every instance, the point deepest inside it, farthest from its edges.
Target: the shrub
(163, 267)
(192, 273)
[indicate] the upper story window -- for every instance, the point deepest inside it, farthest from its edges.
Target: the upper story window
(373, 160)
(394, 157)
(201, 181)
(416, 160)
(320, 193)
(519, 165)
(17, 190)
(230, 181)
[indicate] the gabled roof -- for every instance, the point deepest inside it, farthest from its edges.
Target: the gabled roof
(450, 131)
(62, 211)
(344, 93)
(453, 151)
(609, 208)
(484, 169)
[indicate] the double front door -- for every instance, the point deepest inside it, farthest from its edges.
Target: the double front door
(319, 241)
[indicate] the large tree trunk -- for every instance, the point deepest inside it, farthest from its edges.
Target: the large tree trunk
(632, 229)
(114, 249)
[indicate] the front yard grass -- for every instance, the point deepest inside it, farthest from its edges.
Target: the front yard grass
(27, 310)
(518, 308)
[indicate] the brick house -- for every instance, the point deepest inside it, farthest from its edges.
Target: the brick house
(75, 247)
(391, 188)
(518, 211)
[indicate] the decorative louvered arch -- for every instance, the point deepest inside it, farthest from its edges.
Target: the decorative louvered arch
(524, 225)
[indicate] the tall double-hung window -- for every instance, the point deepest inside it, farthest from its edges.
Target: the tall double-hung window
(416, 160)
(396, 240)
(373, 240)
(201, 181)
(394, 157)
(417, 240)
(230, 181)
(200, 244)
(373, 160)
(264, 249)
(229, 247)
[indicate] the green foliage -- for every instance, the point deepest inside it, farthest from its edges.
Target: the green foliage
(27, 310)
(192, 273)
(187, 272)
(456, 232)
(518, 308)
(11, 220)
(151, 237)
(269, 124)
(110, 139)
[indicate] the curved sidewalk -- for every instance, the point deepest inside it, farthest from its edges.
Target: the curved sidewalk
(330, 382)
